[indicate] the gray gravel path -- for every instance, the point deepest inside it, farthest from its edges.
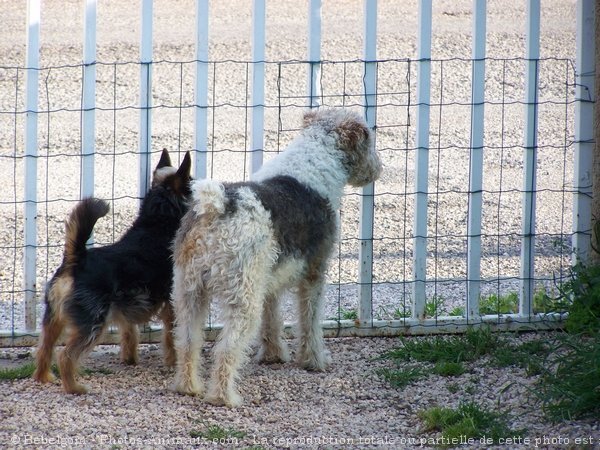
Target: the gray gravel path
(349, 406)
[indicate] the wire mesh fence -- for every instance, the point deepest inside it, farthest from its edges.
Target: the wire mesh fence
(228, 152)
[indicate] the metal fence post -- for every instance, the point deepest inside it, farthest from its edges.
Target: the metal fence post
(314, 52)
(258, 84)
(145, 97)
(584, 130)
(88, 125)
(530, 158)
(201, 91)
(422, 159)
(476, 160)
(31, 153)
(367, 199)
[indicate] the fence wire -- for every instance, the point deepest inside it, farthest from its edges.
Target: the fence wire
(341, 84)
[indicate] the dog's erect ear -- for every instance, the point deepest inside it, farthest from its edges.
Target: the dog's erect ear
(185, 169)
(180, 181)
(165, 160)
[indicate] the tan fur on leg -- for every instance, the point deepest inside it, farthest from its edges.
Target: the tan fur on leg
(50, 334)
(129, 342)
(68, 361)
(168, 317)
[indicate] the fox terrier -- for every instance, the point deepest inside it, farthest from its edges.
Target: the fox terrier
(127, 282)
(244, 243)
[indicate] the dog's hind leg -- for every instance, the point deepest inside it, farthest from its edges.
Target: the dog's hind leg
(130, 338)
(167, 316)
(191, 311)
(274, 349)
(52, 327)
(311, 353)
(241, 320)
(78, 344)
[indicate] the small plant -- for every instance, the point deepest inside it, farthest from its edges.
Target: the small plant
(543, 303)
(17, 373)
(584, 290)
(453, 388)
(401, 377)
(217, 433)
(499, 304)
(401, 313)
(346, 314)
(351, 314)
(448, 354)
(570, 387)
(435, 307)
(457, 311)
(469, 420)
(475, 343)
(449, 369)
(528, 355)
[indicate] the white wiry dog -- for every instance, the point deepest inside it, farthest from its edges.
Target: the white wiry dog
(244, 243)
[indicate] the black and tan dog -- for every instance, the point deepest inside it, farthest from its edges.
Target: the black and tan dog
(126, 283)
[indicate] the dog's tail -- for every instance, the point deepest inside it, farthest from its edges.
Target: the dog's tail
(79, 227)
(208, 197)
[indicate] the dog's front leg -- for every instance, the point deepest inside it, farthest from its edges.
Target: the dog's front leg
(311, 353)
(273, 349)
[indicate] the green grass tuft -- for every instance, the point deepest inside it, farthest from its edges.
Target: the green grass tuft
(528, 355)
(402, 377)
(457, 311)
(435, 307)
(499, 304)
(17, 373)
(345, 314)
(584, 289)
(475, 343)
(216, 433)
(569, 387)
(469, 420)
(449, 368)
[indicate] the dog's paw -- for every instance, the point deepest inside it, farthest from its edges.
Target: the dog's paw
(312, 361)
(44, 377)
(231, 399)
(129, 359)
(273, 355)
(181, 387)
(77, 389)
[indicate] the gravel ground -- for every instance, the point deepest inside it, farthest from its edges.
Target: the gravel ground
(348, 406)
(349, 401)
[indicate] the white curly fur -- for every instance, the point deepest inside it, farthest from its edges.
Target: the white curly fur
(234, 256)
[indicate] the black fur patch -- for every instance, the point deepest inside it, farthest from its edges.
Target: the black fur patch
(303, 221)
(134, 274)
